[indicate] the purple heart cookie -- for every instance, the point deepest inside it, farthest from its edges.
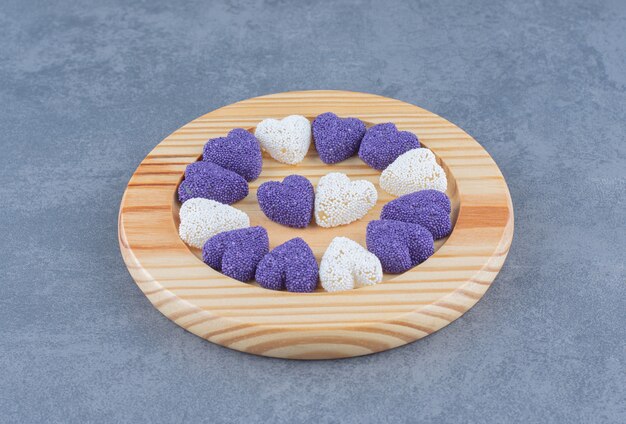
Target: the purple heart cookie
(236, 253)
(290, 266)
(399, 245)
(429, 208)
(383, 143)
(288, 203)
(335, 138)
(239, 152)
(211, 181)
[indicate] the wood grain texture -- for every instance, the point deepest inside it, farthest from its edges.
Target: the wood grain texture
(318, 325)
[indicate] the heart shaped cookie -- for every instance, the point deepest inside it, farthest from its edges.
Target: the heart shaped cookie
(399, 245)
(335, 138)
(236, 253)
(429, 208)
(347, 265)
(339, 201)
(201, 219)
(383, 143)
(239, 152)
(288, 203)
(211, 181)
(414, 170)
(290, 266)
(287, 140)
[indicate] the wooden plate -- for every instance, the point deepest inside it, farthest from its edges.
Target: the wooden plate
(318, 325)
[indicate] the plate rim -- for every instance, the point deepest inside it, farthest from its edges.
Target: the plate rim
(142, 233)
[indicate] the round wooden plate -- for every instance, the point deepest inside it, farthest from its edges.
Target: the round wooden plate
(317, 325)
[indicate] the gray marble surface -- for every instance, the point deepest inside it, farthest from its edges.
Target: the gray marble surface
(87, 89)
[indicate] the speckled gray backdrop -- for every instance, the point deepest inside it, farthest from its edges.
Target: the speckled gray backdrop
(88, 90)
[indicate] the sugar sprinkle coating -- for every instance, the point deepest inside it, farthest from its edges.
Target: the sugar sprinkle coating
(288, 203)
(383, 143)
(421, 198)
(286, 140)
(336, 139)
(399, 245)
(236, 253)
(211, 181)
(429, 208)
(347, 265)
(201, 219)
(339, 201)
(239, 152)
(290, 266)
(412, 171)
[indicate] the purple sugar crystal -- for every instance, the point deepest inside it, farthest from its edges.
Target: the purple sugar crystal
(211, 181)
(290, 266)
(383, 143)
(429, 208)
(335, 138)
(239, 152)
(399, 245)
(425, 197)
(288, 203)
(236, 253)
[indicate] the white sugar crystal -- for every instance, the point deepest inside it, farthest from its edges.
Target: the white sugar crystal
(347, 265)
(412, 171)
(287, 140)
(201, 219)
(339, 201)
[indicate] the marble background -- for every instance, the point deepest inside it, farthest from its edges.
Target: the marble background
(88, 88)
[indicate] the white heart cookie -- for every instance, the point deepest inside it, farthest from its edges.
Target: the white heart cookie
(287, 140)
(201, 219)
(339, 201)
(413, 171)
(346, 265)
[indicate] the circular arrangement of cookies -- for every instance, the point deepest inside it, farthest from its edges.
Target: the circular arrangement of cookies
(400, 239)
(316, 224)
